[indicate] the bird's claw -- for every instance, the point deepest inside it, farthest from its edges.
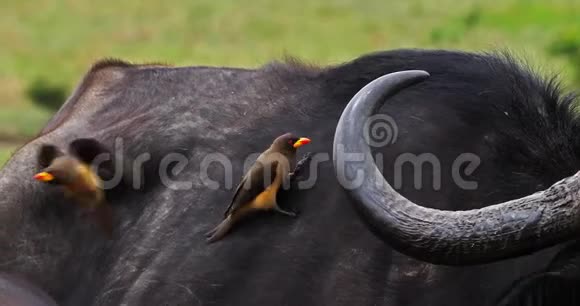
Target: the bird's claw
(300, 165)
(286, 212)
(305, 158)
(291, 214)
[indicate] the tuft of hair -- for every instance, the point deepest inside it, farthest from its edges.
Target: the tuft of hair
(109, 63)
(292, 65)
(554, 103)
(119, 63)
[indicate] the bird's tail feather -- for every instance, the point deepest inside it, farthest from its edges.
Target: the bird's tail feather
(221, 230)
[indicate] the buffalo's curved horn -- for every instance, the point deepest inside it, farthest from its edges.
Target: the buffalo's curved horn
(514, 228)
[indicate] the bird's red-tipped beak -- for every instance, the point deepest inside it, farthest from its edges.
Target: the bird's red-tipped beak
(44, 177)
(302, 141)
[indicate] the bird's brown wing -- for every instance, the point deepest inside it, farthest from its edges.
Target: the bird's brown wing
(253, 183)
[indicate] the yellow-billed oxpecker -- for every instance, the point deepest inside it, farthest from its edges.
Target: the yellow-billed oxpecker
(261, 183)
(72, 171)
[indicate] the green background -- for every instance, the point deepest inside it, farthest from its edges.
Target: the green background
(46, 46)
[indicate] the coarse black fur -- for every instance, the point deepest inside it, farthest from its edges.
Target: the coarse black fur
(521, 126)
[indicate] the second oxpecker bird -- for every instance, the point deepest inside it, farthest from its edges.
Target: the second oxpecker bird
(72, 171)
(260, 185)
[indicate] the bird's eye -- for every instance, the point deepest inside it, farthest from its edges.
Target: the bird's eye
(291, 142)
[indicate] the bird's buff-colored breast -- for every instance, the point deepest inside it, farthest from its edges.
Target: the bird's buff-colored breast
(88, 178)
(87, 187)
(267, 199)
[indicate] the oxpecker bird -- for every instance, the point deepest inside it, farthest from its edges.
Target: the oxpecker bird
(261, 183)
(72, 171)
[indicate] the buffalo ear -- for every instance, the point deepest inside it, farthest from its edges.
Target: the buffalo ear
(47, 154)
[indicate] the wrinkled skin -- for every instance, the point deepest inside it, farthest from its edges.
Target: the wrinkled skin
(327, 256)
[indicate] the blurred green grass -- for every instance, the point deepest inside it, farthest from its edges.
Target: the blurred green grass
(5, 152)
(58, 40)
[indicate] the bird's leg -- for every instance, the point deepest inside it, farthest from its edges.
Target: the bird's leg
(300, 166)
(284, 212)
(211, 232)
(277, 208)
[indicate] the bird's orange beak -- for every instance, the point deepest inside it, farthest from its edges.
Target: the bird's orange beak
(44, 177)
(302, 141)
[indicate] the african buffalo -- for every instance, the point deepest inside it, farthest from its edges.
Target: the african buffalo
(465, 131)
